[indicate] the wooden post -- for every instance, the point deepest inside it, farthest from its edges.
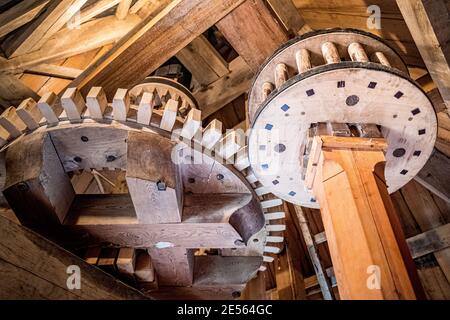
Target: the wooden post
(367, 246)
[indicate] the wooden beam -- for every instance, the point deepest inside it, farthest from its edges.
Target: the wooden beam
(69, 42)
(429, 24)
(430, 241)
(223, 91)
(174, 266)
(153, 179)
(55, 71)
(123, 8)
(19, 15)
(289, 16)
(361, 218)
(436, 174)
(203, 61)
(44, 183)
(56, 15)
(13, 91)
(32, 267)
(142, 52)
(95, 9)
(253, 32)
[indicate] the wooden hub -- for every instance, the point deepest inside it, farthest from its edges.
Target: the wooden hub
(335, 76)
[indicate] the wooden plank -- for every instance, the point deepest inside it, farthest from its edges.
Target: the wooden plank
(19, 15)
(44, 183)
(68, 42)
(429, 24)
(174, 266)
(37, 269)
(139, 54)
(56, 15)
(254, 41)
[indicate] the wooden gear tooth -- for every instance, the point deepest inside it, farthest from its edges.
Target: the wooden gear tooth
(50, 108)
(12, 123)
(73, 104)
(30, 114)
(96, 102)
(121, 105)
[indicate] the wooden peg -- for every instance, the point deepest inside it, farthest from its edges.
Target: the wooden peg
(281, 74)
(357, 52)
(303, 60)
(330, 53)
(379, 57)
(267, 89)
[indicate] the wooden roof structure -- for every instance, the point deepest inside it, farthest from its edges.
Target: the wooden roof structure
(49, 46)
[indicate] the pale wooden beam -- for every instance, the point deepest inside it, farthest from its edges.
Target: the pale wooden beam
(66, 43)
(174, 266)
(429, 24)
(95, 9)
(56, 15)
(203, 61)
(253, 32)
(52, 70)
(122, 9)
(140, 4)
(225, 89)
(19, 15)
(155, 42)
(289, 16)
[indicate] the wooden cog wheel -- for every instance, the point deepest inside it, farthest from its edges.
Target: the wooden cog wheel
(175, 205)
(337, 77)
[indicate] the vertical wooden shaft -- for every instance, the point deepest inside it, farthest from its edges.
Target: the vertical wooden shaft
(365, 240)
(303, 60)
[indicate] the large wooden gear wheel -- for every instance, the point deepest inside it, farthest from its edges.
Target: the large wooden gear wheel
(175, 205)
(335, 76)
